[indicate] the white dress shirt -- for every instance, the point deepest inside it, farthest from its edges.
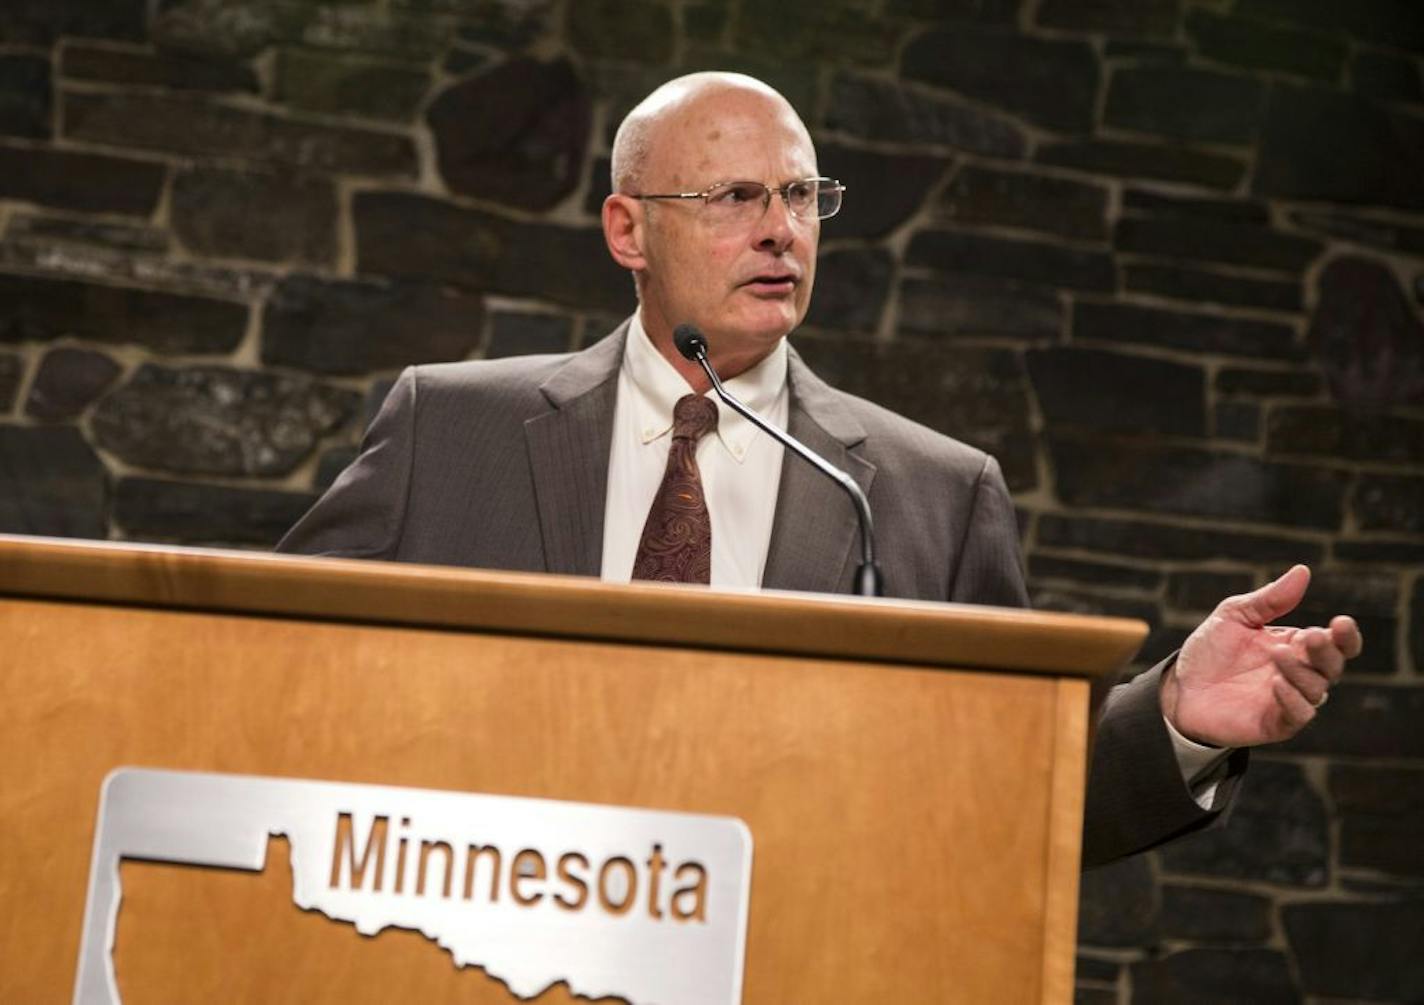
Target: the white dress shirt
(740, 465)
(741, 472)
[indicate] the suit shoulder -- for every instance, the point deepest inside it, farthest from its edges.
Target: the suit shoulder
(511, 378)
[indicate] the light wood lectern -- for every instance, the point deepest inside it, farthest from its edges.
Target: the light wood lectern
(911, 773)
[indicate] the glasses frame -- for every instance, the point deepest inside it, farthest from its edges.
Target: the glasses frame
(784, 191)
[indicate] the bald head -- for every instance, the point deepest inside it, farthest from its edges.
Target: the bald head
(668, 108)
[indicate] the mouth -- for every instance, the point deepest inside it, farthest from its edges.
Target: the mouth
(773, 284)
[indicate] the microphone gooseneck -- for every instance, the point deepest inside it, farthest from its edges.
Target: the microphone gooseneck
(868, 581)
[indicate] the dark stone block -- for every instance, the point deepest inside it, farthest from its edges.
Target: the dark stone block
(516, 134)
(1048, 567)
(330, 465)
(518, 334)
(1050, 264)
(1200, 590)
(67, 381)
(1279, 832)
(12, 371)
(1196, 482)
(1136, 201)
(1118, 905)
(460, 62)
(1090, 968)
(40, 22)
(1389, 502)
(51, 483)
(181, 71)
(513, 27)
(1387, 76)
(882, 190)
(600, 186)
(1359, 951)
(345, 85)
(1386, 150)
(1081, 600)
(92, 183)
(1390, 22)
(1356, 436)
(150, 509)
(1144, 52)
(1085, 995)
(1162, 641)
(218, 420)
(1416, 621)
(1044, 203)
(1207, 915)
(879, 110)
(1133, 393)
(1216, 241)
(185, 124)
(1207, 333)
(705, 22)
(976, 395)
(269, 216)
(1114, 17)
(422, 238)
(1171, 542)
(1268, 383)
(1361, 230)
(1220, 976)
(1365, 720)
(1048, 82)
(1259, 45)
(24, 96)
(1237, 420)
(1005, 12)
(1381, 813)
(356, 327)
(1197, 285)
(814, 31)
(1367, 336)
(375, 397)
(34, 309)
(1386, 551)
(1185, 103)
(978, 305)
(1166, 162)
(852, 287)
(24, 228)
(631, 30)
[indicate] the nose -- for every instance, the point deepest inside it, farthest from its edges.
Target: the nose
(776, 229)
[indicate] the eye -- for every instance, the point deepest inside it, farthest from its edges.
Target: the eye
(736, 194)
(801, 193)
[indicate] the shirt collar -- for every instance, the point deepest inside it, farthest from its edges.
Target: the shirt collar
(657, 386)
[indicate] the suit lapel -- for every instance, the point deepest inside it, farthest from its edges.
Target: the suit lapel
(814, 533)
(568, 456)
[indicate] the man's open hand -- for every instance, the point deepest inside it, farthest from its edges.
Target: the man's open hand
(1240, 681)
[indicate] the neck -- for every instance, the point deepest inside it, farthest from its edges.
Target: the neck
(727, 365)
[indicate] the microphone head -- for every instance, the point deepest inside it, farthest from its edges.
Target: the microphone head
(689, 341)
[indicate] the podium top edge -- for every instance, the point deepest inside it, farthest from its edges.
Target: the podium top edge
(443, 597)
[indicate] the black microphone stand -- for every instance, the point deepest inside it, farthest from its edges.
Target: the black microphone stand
(868, 580)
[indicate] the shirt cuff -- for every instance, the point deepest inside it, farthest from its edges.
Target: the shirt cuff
(1200, 765)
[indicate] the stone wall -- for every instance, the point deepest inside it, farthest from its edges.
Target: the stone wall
(1164, 258)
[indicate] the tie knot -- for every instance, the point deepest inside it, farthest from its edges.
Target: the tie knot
(693, 417)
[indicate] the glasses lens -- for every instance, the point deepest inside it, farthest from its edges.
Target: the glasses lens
(801, 196)
(737, 198)
(828, 197)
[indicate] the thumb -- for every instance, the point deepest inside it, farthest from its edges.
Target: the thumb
(1261, 607)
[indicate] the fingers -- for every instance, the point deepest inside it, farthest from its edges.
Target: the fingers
(1346, 635)
(1301, 676)
(1296, 711)
(1261, 607)
(1322, 653)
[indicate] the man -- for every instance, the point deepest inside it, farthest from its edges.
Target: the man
(565, 463)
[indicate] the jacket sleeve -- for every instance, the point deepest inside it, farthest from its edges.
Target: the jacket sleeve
(363, 513)
(1136, 797)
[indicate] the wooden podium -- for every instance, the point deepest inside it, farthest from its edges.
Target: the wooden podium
(911, 773)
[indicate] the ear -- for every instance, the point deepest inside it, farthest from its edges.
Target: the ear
(623, 230)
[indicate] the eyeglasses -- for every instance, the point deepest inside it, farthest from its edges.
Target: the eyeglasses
(744, 202)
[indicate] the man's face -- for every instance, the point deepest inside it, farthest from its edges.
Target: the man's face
(747, 283)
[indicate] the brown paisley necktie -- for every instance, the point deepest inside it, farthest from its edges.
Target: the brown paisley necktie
(676, 546)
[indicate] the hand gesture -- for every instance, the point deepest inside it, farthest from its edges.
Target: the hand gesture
(1240, 681)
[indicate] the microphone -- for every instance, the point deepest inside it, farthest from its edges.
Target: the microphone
(868, 581)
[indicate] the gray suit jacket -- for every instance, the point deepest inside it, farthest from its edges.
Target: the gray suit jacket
(503, 464)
